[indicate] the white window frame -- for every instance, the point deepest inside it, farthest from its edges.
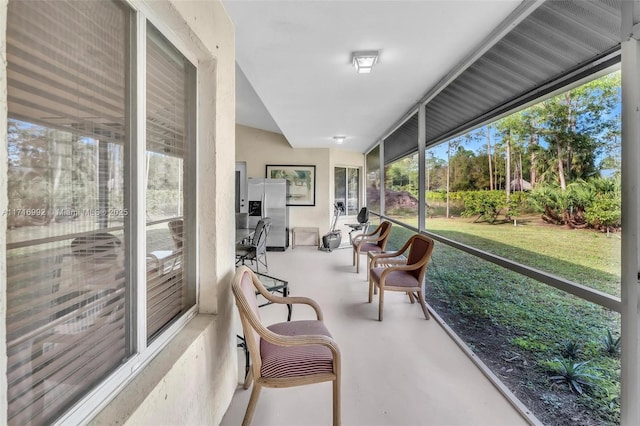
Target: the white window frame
(360, 191)
(142, 350)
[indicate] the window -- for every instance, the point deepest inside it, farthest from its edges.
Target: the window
(347, 188)
(543, 171)
(169, 185)
(401, 190)
(73, 199)
(401, 172)
(540, 188)
(373, 180)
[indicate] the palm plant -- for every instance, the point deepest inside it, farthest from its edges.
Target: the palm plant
(611, 345)
(571, 349)
(575, 374)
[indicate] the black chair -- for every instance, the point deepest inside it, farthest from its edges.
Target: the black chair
(362, 225)
(254, 249)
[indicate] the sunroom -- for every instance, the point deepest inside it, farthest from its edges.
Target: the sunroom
(504, 130)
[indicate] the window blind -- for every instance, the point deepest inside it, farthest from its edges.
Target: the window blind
(67, 82)
(169, 78)
(67, 67)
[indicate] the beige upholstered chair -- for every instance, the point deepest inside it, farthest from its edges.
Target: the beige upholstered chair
(291, 353)
(373, 241)
(406, 278)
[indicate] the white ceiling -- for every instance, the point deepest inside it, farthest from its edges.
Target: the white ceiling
(295, 75)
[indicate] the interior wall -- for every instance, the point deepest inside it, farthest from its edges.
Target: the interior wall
(259, 148)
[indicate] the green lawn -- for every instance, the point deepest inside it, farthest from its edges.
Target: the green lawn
(584, 256)
(518, 326)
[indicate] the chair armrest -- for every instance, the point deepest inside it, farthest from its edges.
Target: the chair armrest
(280, 340)
(388, 260)
(295, 300)
(366, 238)
(411, 267)
(387, 255)
(364, 235)
(302, 340)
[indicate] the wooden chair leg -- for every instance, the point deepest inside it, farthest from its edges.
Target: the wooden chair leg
(423, 304)
(357, 263)
(248, 380)
(248, 415)
(371, 285)
(353, 257)
(336, 402)
(410, 294)
(381, 301)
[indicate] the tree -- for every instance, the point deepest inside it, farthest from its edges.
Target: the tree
(576, 125)
(514, 131)
(488, 133)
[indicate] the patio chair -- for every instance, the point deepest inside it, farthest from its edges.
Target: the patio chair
(164, 261)
(407, 277)
(373, 241)
(362, 225)
(292, 353)
(254, 249)
(176, 229)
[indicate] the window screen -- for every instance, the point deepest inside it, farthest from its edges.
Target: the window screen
(402, 142)
(373, 179)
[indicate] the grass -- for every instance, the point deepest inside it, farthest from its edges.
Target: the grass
(481, 300)
(584, 256)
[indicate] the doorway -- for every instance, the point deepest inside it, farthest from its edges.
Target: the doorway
(241, 187)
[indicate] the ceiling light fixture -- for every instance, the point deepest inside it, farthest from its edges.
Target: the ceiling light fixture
(363, 62)
(339, 139)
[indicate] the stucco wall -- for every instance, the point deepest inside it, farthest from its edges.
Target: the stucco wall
(259, 147)
(199, 368)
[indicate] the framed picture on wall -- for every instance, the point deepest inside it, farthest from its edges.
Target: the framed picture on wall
(302, 182)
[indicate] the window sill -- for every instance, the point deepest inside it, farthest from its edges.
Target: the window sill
(141, 393)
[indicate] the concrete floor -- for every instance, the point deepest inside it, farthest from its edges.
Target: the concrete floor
(402, 371)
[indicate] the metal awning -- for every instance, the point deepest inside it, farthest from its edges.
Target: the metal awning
(559, 42)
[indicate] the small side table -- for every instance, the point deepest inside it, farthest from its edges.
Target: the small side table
(299, 232)
(273, 286)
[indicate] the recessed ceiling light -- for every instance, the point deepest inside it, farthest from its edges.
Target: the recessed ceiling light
(363, 62)
(339, 139)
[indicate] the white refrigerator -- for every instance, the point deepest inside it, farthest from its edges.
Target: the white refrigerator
(268, 198)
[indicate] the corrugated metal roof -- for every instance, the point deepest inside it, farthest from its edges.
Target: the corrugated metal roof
(556, 39)
(403, 141)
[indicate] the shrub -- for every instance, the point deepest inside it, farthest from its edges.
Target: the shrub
(604, 212)
(487, 205)
(571, 349)
(575, 374)
(611, 345)
(594, 203)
